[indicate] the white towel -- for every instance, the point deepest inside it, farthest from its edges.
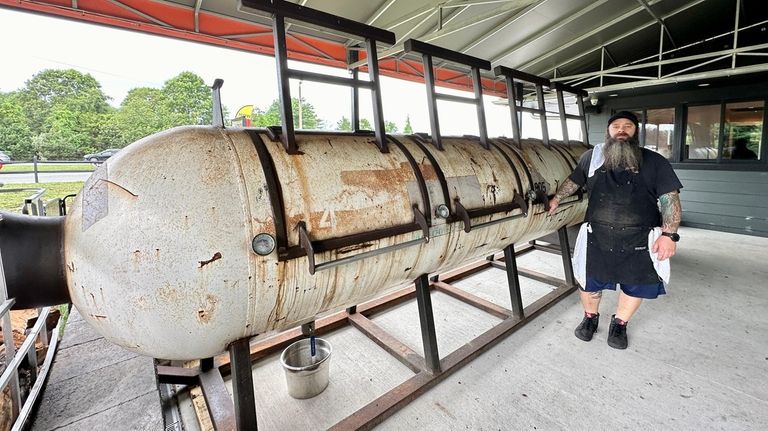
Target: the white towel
(579, 259)
(597, 160)
(662, 266)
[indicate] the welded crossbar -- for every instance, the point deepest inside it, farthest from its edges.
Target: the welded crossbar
(280, 10)
(429, 369)
(429, 51)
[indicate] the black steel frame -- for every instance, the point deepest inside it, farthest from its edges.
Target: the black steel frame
(428, 51)
(239, 412)
(281, 9)
(515, 79)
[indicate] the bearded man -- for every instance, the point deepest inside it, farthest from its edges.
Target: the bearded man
(631, 225)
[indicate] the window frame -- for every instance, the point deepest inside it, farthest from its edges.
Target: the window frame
(681, 126)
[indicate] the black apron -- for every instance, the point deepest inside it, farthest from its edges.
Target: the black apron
(622, 211)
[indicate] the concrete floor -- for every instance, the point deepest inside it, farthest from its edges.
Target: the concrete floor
(697, 358)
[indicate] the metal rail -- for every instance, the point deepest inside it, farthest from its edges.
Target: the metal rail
(26, 354)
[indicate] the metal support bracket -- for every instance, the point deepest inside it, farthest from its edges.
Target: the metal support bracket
(463, 214)
(520, 201)
(565, 253)
(218, 112)
(514, 80)
(281, 10)
(418, 216)
(306, 244)
(242, 385)
(564, 117)
(513, 281)
(428, 51)
(427, 321)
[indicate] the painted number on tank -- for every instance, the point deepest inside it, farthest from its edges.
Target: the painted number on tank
(328, 219)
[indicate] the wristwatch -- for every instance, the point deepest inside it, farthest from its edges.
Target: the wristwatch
(674, 236)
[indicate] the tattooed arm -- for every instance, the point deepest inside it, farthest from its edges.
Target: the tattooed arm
(566, 189)
(671, 212)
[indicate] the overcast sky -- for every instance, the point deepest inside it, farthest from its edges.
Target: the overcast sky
(121, 60)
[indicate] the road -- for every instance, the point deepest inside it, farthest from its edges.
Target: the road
(44, 177)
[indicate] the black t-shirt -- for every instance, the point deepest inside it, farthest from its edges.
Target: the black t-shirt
(656, 171)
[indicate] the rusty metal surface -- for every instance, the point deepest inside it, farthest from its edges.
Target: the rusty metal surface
(217, 399)
(167, 269)
(487, 306)
(400, 351)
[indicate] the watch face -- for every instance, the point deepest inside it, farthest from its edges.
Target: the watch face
(673, 236)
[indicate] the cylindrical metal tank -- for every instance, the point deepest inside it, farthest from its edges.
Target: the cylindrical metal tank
(159, 245)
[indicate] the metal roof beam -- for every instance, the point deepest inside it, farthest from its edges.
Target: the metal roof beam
(709, 55)
(658, 20)
(445, 31)
(601, 28)
(198, 3)
(502, 26)
(140, 13)
(379, 12)
(547, 31)
(682, 78)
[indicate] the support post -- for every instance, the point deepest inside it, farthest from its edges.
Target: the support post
(242, 385)
(513, 280)
(353, 57)
(427, 320)
(565, 252)
(284, 88)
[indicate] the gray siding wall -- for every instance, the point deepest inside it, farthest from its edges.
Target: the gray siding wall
(730, 201)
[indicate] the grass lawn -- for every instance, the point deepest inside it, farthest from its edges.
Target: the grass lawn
(49, 167)
(14, 201)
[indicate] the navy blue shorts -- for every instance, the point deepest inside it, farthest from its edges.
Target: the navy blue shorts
(646, 291)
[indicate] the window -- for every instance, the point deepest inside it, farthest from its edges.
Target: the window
(656, 131)
(739, 137)
(743, 130)
(702, 131)
(659, 130)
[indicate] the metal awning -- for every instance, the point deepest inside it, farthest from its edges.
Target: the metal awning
(604, 46)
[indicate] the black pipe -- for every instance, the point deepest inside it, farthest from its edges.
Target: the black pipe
(33, 260)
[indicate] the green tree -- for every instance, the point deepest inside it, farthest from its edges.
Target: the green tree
(68, 89)
(188, 99)
(365, 124)
(407, 129)
(390, 127)
(63, 108)
(183, 100)
(144, 111)
(15, 132)
(272, 117)
(344, 125)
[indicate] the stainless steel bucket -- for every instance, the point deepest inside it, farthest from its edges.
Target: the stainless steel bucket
(304, 376)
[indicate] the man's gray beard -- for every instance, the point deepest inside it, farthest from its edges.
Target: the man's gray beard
(622, 154)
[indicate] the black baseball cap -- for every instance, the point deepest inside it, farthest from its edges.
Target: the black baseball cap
(624, 114)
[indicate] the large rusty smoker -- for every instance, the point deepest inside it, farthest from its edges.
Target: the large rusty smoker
(189, 242)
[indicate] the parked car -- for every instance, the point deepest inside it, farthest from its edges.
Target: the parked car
(4, 158)
(101, 155)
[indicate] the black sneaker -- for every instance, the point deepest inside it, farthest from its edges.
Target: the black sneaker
(617, 334)
(587, 327)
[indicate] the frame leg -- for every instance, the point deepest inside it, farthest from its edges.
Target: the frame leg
(427, 320)
(514, 282)
(242, 385)
(565, 252)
